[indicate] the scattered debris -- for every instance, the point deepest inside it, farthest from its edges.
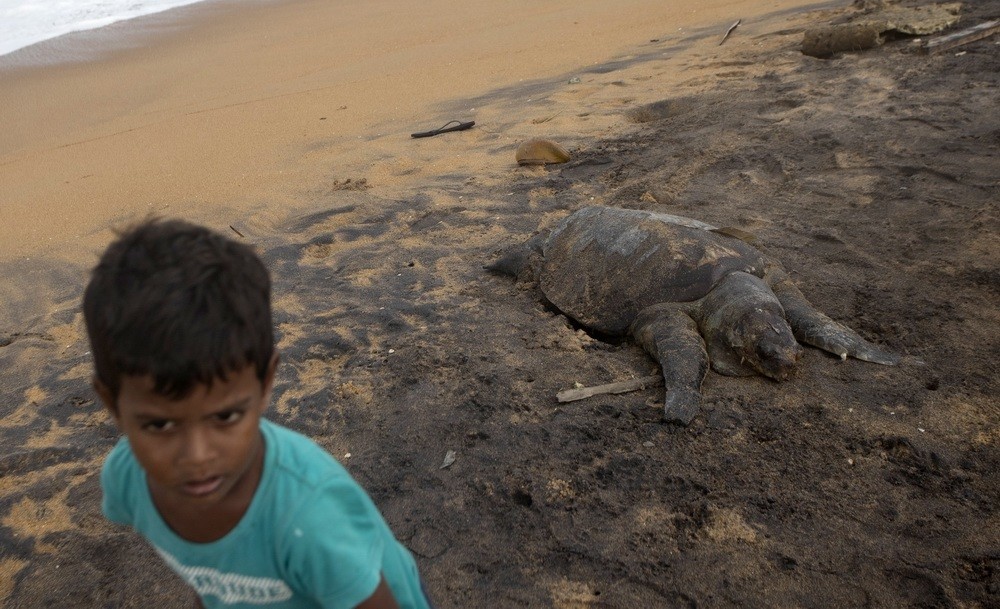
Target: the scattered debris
(918, 20)
(349, 184)
(575, 80)
(950, 41)
(873, 29)
(825, 41)
(539, 121)
(236, 231)
(540, 152)
(449, 458)
(729, 31)
(580, 393)
(445, 128)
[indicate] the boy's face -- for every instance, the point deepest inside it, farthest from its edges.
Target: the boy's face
(202, 450)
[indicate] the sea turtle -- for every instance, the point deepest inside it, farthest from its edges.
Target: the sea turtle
(691, 294)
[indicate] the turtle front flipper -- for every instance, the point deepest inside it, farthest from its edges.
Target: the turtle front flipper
(816, 329)
(671, 337)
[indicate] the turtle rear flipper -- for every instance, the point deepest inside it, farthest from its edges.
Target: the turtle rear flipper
(814, 328)
(671, 337)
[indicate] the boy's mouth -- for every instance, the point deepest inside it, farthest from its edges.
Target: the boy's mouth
(203, 487)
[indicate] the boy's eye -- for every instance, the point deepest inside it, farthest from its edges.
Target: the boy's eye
(229, 416)
(158, 425)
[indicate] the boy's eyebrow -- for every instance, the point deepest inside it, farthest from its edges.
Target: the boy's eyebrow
(148, 416)
(242, 403)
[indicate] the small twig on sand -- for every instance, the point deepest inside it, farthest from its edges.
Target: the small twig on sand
(236, 231)
(539, 121)
(730, 31)
(571, 395)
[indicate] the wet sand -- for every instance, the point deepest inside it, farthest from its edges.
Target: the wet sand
(871, 176)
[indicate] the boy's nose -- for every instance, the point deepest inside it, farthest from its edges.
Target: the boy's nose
(197, 448)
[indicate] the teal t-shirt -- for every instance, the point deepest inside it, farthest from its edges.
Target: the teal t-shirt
(311, 536)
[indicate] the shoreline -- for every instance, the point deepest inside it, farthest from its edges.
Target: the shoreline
(277, 100)
(81, 44)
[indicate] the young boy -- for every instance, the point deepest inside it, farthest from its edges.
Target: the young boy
(249, 513)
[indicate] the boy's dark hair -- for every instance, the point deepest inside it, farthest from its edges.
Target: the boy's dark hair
(180, 303)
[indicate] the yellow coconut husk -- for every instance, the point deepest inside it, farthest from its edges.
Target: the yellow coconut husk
(540, 152)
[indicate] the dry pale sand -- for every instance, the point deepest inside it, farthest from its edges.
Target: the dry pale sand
(219, 111)
(871, 176)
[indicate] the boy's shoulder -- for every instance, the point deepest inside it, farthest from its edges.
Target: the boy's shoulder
(306, 488)
(291, 454)
(122, 484)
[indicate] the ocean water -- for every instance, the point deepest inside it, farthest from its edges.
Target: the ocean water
(26, 22)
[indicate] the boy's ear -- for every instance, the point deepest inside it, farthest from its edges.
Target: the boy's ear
(107, 398)
(268, 381)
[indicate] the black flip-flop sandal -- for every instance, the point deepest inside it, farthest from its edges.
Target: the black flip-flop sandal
(460, 126)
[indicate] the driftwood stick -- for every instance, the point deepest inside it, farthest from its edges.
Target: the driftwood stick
(730, 31)
(571, 395)
(950, 41)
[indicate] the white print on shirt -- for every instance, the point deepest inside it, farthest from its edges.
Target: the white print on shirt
(231, 588)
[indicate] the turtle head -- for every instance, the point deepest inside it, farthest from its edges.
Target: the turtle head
(764, 340)
(746, 331)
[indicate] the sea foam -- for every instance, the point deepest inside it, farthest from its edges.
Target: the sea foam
(26, 22)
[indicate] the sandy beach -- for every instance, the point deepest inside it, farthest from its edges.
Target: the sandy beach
(872, 176)
(219, 111)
